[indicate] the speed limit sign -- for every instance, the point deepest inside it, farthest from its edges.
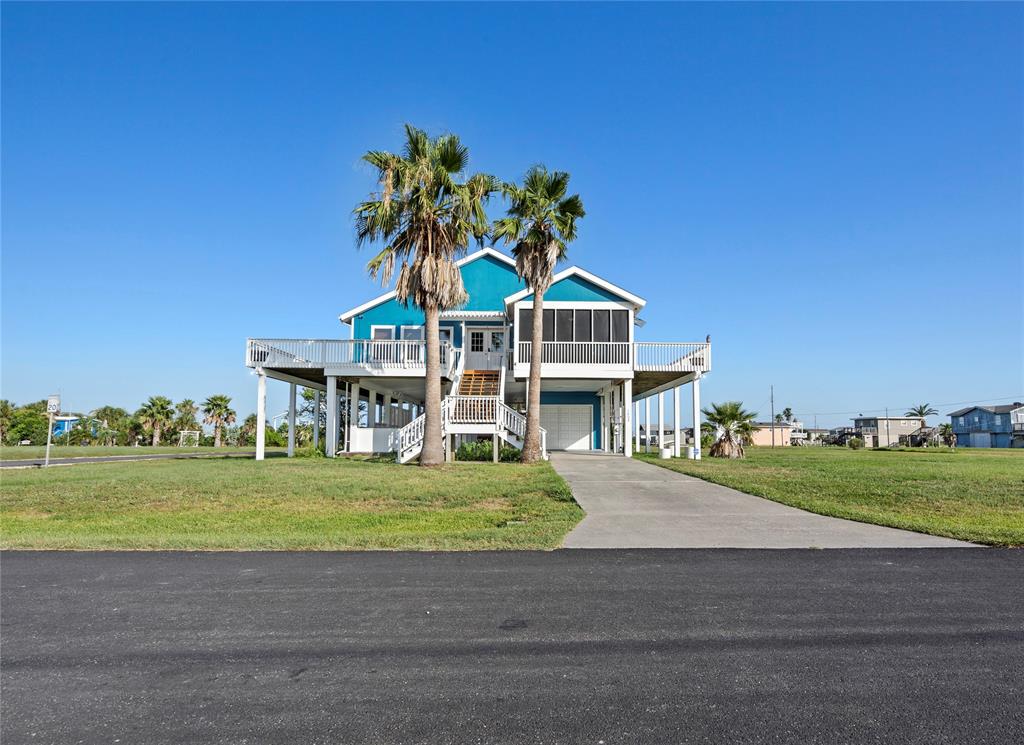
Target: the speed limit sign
(52, 409)
(53, 405)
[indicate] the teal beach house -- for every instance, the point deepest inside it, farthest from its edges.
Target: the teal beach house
(595, 374)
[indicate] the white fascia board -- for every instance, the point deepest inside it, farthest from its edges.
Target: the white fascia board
(575, 271)
(348, 315)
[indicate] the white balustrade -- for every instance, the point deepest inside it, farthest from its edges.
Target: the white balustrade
(644, 356)
(324, 353)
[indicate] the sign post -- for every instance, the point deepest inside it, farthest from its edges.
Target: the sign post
(52, 409)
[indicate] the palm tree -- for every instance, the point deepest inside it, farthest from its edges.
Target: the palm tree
(947, 434)
(186, 418)
(780, 418)
(921, 411)
(787, 414)
(218, 412)
(6, 414)
(733, 428)
(541, 222)
(425, 218)
(154, 414)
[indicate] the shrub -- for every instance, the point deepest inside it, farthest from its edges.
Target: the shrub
(482, 450)
(855, 443)
(308, 451)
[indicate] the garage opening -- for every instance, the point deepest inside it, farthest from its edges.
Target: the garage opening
(569, 426)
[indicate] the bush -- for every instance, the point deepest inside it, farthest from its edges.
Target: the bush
(309, 451)
(482, 450)
(855, 443)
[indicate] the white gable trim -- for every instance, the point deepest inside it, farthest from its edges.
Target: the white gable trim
(575, 271)
(348, 315)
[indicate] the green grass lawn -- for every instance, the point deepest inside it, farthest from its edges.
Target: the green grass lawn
(316, 504)
(33, 452)
(974, 495)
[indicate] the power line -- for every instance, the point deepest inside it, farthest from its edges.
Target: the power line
(1017, 397)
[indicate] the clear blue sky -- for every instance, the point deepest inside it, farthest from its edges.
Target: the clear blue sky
(833, 192)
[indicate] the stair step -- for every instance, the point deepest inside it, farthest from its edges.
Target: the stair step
(479, 383)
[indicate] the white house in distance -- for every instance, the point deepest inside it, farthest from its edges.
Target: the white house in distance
(595, 374)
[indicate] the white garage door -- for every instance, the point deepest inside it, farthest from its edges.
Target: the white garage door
(569, 426)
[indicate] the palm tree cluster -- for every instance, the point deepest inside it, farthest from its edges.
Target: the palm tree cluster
(731, 427)
(424, 215)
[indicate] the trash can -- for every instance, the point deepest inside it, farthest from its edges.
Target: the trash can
(689, 452)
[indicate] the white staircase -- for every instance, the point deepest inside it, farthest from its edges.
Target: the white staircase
(473, 415)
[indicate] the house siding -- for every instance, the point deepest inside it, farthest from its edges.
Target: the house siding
(577, 289)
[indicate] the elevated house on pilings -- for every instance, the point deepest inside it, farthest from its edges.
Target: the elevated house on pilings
(595, 373)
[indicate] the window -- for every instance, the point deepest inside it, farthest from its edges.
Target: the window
(476, 341)
(412, 333)
(582, 330)
(549, 325)
(382, 333)
(960, 420)
(998, 420)
(620, 325)
(445, 335)
(602, 325)
(563, 325)
(526, 324)
(497, 341)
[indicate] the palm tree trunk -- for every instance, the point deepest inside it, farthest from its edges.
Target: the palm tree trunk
(531, 440)
(156, 435)
(216, 436)
(432, 453)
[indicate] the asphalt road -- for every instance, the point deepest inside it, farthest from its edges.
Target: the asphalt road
(646, 646)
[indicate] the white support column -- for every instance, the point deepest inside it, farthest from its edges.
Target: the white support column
(353, 416)
(332, 416)
(647, 424)
(636, 425)
(675, 421)
(616, 418)
(627, 419)
(316, 420)
(385, 414)
(696, 417)
(661, 420)
(291, 420)
(261, 414)
(371, 407)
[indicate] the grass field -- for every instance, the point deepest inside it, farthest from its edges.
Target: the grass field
(32, 452)
(285, 504)
(974, 495)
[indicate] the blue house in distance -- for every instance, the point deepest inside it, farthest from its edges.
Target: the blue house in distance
(989, 426)
(594, 372)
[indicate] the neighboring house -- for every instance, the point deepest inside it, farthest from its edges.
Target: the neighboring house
(808, 435)
(593, 367)
(989, 426)
(881, 431)
(763, 434)
(62, 425)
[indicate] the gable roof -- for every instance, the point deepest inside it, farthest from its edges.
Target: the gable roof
(348, 315)
(575, 271)
(1001, 409)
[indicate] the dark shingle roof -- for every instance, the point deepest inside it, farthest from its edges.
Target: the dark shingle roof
(1001, 409)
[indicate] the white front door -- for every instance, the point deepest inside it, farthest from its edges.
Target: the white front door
(485, 348)
(569, 426)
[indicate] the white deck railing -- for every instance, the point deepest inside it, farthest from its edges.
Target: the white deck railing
(473, 409)
(643, 356)
(355, 353)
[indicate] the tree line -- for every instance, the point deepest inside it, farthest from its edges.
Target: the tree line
(157, 420)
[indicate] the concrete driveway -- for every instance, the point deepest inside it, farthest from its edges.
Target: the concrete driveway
(631, 504)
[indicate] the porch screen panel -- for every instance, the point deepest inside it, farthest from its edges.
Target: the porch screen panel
(526, 324)
(582, 331)
(602, 325)
(620, 333)
(563, 325)
(549, 325)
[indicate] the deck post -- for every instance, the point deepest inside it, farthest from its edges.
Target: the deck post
(647, 424)
(636, 424)
(385, 413)
(353, 416)
(495, 446)
(627, 417)
(332, 416)
(261, 414)
(291, 420)
(661, 420)
(316, 420)
(675, 421)
(696, 417)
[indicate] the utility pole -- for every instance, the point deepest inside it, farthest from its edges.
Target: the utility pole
(772, 388)
(888, 442)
